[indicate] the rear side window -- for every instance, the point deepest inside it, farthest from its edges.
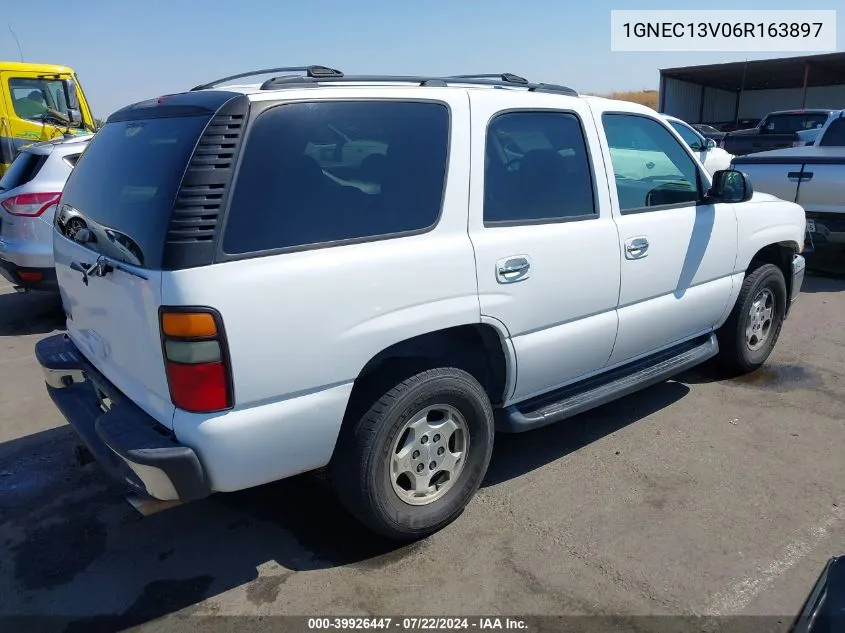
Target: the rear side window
(536, 169)
(835, 134)
(72, 159)
(317, 173)
(22, 170)
(125, 183)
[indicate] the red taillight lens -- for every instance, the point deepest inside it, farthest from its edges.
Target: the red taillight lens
(197, 366)
(198, 388)
(31, 276)
(30, 204)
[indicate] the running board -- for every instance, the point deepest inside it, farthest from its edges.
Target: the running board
(593, 392)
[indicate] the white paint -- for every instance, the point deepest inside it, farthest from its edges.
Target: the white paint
(742, 592)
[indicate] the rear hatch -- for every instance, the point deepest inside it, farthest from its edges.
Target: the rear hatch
(123, 191)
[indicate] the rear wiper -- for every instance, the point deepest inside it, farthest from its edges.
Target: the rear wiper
(102, 267)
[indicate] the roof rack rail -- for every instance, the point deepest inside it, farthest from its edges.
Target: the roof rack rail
(311, 72)
(497, 80)
(507, 77)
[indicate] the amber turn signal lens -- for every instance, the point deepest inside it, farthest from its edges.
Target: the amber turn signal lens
(188, 324)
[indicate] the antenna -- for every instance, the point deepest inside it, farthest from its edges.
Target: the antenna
(17, 41)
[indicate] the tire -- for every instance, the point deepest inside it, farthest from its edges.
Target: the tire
(367, 455)
(738, 354)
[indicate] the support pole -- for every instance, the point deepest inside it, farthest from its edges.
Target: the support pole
(739, 94)
(806, 80)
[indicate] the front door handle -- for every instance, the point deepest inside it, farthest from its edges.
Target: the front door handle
(636, 248)
(511, 269)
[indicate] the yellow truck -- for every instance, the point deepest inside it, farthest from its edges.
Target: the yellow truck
(39, 102)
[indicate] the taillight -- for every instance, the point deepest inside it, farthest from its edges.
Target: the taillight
(30, 204)
(198, 370)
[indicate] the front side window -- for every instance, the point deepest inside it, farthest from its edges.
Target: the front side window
(39, 99)
(651, 167)
(318, 173)
(536, 169)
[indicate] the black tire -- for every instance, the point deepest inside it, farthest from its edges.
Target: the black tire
(359, 471)
(736, 355)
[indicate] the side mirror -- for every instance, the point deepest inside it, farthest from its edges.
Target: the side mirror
(710, 144)
(72, 97)
(730, 185)
(75, 116)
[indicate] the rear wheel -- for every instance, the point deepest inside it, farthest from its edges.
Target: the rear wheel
(749, 335)
(413, 461)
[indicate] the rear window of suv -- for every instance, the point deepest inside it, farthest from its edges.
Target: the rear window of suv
(22, 170)
(334, 171)
(794, 122)
(125, 183)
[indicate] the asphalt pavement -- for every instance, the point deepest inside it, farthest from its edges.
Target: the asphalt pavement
(698, 496)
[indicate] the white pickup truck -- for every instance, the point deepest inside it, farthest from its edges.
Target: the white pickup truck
(372, 274)
(813, 176)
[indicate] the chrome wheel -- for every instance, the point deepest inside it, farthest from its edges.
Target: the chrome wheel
(429, 454)
(760, 319)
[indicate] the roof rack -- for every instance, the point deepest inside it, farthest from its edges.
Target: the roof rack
(312, 72)
(500, 80)
(506, 77)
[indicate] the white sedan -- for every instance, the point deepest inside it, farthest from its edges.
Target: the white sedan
(712, 157)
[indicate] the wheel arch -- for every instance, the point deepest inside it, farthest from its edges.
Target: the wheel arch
(481, 349)
(780, 254)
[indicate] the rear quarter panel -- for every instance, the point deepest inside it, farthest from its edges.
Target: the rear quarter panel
(302, 325)
(773, 178)
(825, 193)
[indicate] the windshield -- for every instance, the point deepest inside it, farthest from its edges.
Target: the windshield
(835, 134)
(690, 136)
(39, 99)
(706, 129)
(791, 123)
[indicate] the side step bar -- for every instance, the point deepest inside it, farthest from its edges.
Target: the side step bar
(598, 390)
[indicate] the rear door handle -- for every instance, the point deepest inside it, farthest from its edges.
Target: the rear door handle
(512, 269)
(636, 248)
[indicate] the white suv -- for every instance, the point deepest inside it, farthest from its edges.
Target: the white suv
(371, 274)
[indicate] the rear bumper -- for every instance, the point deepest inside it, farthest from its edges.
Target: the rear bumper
(124, 439)
(28, 253)
(829, 228)
(29, 277)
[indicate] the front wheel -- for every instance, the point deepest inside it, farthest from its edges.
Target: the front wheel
(749, 335)
(413, 461)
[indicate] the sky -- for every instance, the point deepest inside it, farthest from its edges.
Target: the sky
(124, 52)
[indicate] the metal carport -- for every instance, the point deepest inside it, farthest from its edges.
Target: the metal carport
(749, 89)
